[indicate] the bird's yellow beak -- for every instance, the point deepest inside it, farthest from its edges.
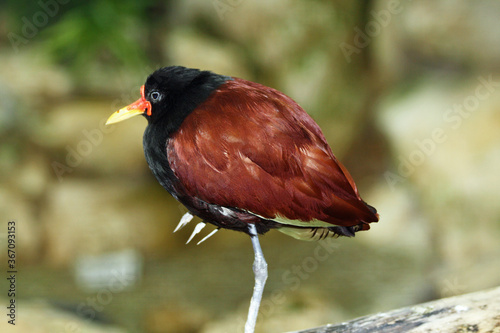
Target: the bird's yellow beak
(138, 107)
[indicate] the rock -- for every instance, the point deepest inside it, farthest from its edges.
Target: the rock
(437, 35)
(183, 48)
(475, 312)
(81, 143)
(14, 206)
(31, 72)
(93, 217)
(446, 147)
(174, 319)
(33, 175)
(41, 317)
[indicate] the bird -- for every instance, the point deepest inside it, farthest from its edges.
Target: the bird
(245, 157)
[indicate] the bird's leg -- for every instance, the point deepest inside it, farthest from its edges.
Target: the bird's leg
(260, 271)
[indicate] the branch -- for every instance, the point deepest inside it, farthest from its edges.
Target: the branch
(475, 312)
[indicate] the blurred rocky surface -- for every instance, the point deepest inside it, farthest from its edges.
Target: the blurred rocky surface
(174, 319)
(448, 160)
(436, 35)
(81, 217)
(420, 89)
(39, 316)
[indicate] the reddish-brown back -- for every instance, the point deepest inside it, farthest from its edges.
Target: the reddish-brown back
(252, 147)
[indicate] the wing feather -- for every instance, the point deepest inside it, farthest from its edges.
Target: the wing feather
(253, 148)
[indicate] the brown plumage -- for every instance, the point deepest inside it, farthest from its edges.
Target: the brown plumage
(252, 147)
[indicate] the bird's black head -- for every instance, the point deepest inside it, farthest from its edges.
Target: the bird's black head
(175, 91)
(170, 94)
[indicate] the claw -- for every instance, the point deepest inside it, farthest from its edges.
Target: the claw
(196, 230)
(186, 218)
(208, 236)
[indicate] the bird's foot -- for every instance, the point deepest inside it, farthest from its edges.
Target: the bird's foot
(208, 236)
(185, 219)
(196, 230)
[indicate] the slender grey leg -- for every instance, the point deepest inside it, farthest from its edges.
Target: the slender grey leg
(260, 271)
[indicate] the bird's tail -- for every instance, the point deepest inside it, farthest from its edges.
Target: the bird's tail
(319, 233)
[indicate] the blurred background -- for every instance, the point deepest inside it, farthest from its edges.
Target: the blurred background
(406, 92)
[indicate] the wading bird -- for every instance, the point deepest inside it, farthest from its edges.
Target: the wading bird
(245, 157)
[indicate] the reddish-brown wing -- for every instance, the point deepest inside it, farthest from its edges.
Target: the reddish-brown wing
(251, 147)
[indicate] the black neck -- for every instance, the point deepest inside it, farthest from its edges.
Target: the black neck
(158, 132)
(155, 150)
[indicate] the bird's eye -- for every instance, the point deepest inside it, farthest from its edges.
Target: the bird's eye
(155, 96)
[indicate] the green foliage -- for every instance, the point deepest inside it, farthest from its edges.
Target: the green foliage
(84, 32)
(108, 31)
